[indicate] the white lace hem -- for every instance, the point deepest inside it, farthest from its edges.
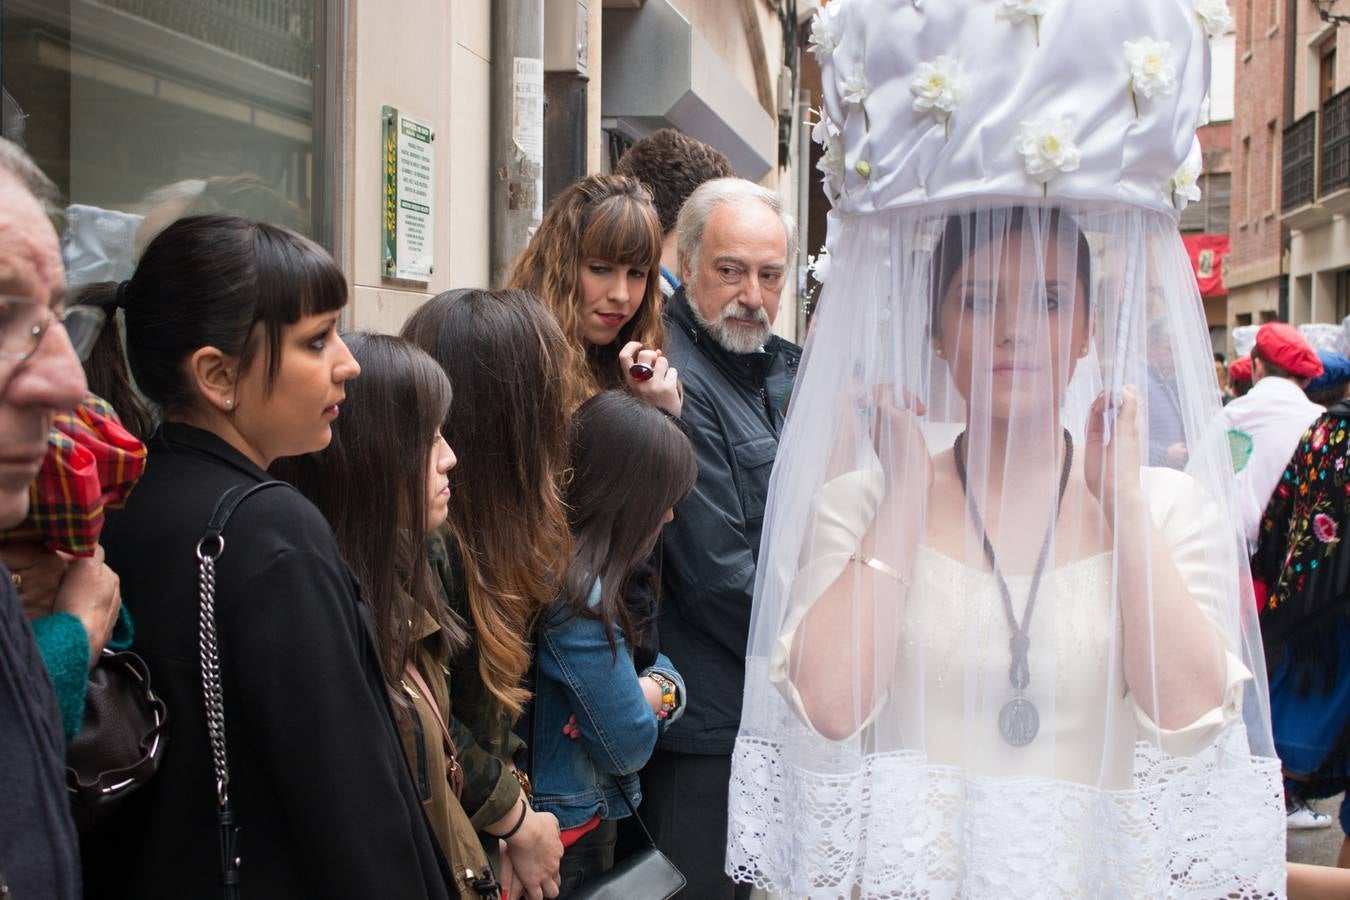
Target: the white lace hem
(896, 827)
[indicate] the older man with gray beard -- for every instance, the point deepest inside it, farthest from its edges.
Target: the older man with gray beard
(734, 244)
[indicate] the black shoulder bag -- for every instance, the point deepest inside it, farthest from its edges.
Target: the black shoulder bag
(647, 874)
(209, 549)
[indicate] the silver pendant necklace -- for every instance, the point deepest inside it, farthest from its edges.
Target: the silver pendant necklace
(1018, 720)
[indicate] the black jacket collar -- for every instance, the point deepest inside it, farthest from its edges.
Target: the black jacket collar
(754, 365)
(179, 436)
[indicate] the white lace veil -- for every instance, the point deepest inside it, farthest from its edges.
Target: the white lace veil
(1076, 706)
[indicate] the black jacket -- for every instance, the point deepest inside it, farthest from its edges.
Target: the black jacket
(38, 850)
(317, 773)
(733, 411)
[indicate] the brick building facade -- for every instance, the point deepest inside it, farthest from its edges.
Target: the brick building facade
(1253, 267)
(1316, 167)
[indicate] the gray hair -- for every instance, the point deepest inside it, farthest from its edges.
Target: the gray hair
(187, 189)
(20, 166)
(711, 196)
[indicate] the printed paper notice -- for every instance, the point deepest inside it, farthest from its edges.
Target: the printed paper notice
(528, 120)
(415, 247)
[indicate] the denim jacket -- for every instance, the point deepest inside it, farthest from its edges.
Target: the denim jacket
(579, 673)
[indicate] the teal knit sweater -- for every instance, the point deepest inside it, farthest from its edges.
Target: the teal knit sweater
(65, 652)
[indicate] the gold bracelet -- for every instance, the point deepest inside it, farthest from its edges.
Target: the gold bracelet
(873, 563)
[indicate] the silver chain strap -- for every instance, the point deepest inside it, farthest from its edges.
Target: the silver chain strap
(209, 651)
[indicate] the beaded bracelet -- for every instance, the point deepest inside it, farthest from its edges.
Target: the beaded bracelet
(667, 687)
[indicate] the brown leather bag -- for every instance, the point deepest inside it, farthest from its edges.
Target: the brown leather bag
(453, 773)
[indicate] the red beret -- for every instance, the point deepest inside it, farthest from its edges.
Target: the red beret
(1281, 344)
(1240, 370)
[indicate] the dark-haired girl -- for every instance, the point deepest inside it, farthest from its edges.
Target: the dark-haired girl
(383, 484)
(500, 555)
(231, 332)
(596, 718)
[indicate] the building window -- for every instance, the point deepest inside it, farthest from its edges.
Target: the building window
(143, 110)
(1272, 166)
(1247, 179)
(1326, 73)
(1210, 213)
(1342, 294)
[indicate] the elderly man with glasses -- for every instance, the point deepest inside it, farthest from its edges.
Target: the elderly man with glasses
(40, 375)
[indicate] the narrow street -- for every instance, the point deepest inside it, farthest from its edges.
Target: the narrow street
(1318, 846)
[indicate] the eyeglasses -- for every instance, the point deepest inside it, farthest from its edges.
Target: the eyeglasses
(23, 322)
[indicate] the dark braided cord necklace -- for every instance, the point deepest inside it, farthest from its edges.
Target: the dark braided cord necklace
(1018, 720)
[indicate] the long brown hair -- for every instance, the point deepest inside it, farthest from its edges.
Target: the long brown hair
(503, 351)
(630, 464)
(370, 483)
(608, 217)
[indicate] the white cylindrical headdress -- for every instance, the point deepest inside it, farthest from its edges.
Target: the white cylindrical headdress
(1004, 642)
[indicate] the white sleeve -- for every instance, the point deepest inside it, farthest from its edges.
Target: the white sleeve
(1203, 551)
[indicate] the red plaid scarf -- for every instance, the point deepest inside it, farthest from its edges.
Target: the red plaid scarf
(92, 463)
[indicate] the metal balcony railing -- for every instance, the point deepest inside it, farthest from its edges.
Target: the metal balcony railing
(275, 33)
(1298, 167)
(1335, 143)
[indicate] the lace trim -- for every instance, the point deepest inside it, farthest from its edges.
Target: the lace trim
(1204, 826)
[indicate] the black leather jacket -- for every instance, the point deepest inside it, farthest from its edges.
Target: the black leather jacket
(734, 406)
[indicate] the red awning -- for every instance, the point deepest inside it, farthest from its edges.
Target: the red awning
(1207, 252)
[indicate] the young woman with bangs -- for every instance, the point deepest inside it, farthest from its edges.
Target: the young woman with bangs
(595, 262)
(384, 484)
(231, 332)
(501, 553)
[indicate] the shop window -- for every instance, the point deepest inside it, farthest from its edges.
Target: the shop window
(144, 110)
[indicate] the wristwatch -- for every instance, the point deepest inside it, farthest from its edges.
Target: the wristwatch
(526, 787)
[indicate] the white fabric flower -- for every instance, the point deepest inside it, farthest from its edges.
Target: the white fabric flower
(939, 86)
(1021, 10)
(1046, 147)
(832, 160)
(855, 88)
(1151, 69)
(823, 129)
(1215, 16)
(1185, 185)
(819, 265)
(823, 40)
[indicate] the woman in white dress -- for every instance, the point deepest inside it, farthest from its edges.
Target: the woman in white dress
(995, 654)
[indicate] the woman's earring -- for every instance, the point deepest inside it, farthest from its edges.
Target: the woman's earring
(228, 403)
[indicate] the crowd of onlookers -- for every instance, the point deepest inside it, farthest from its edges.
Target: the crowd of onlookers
(431, 615)
(1286, 419)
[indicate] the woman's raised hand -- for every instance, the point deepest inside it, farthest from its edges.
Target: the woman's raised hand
(900, 443)
(651, 377)
(1111, 462)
